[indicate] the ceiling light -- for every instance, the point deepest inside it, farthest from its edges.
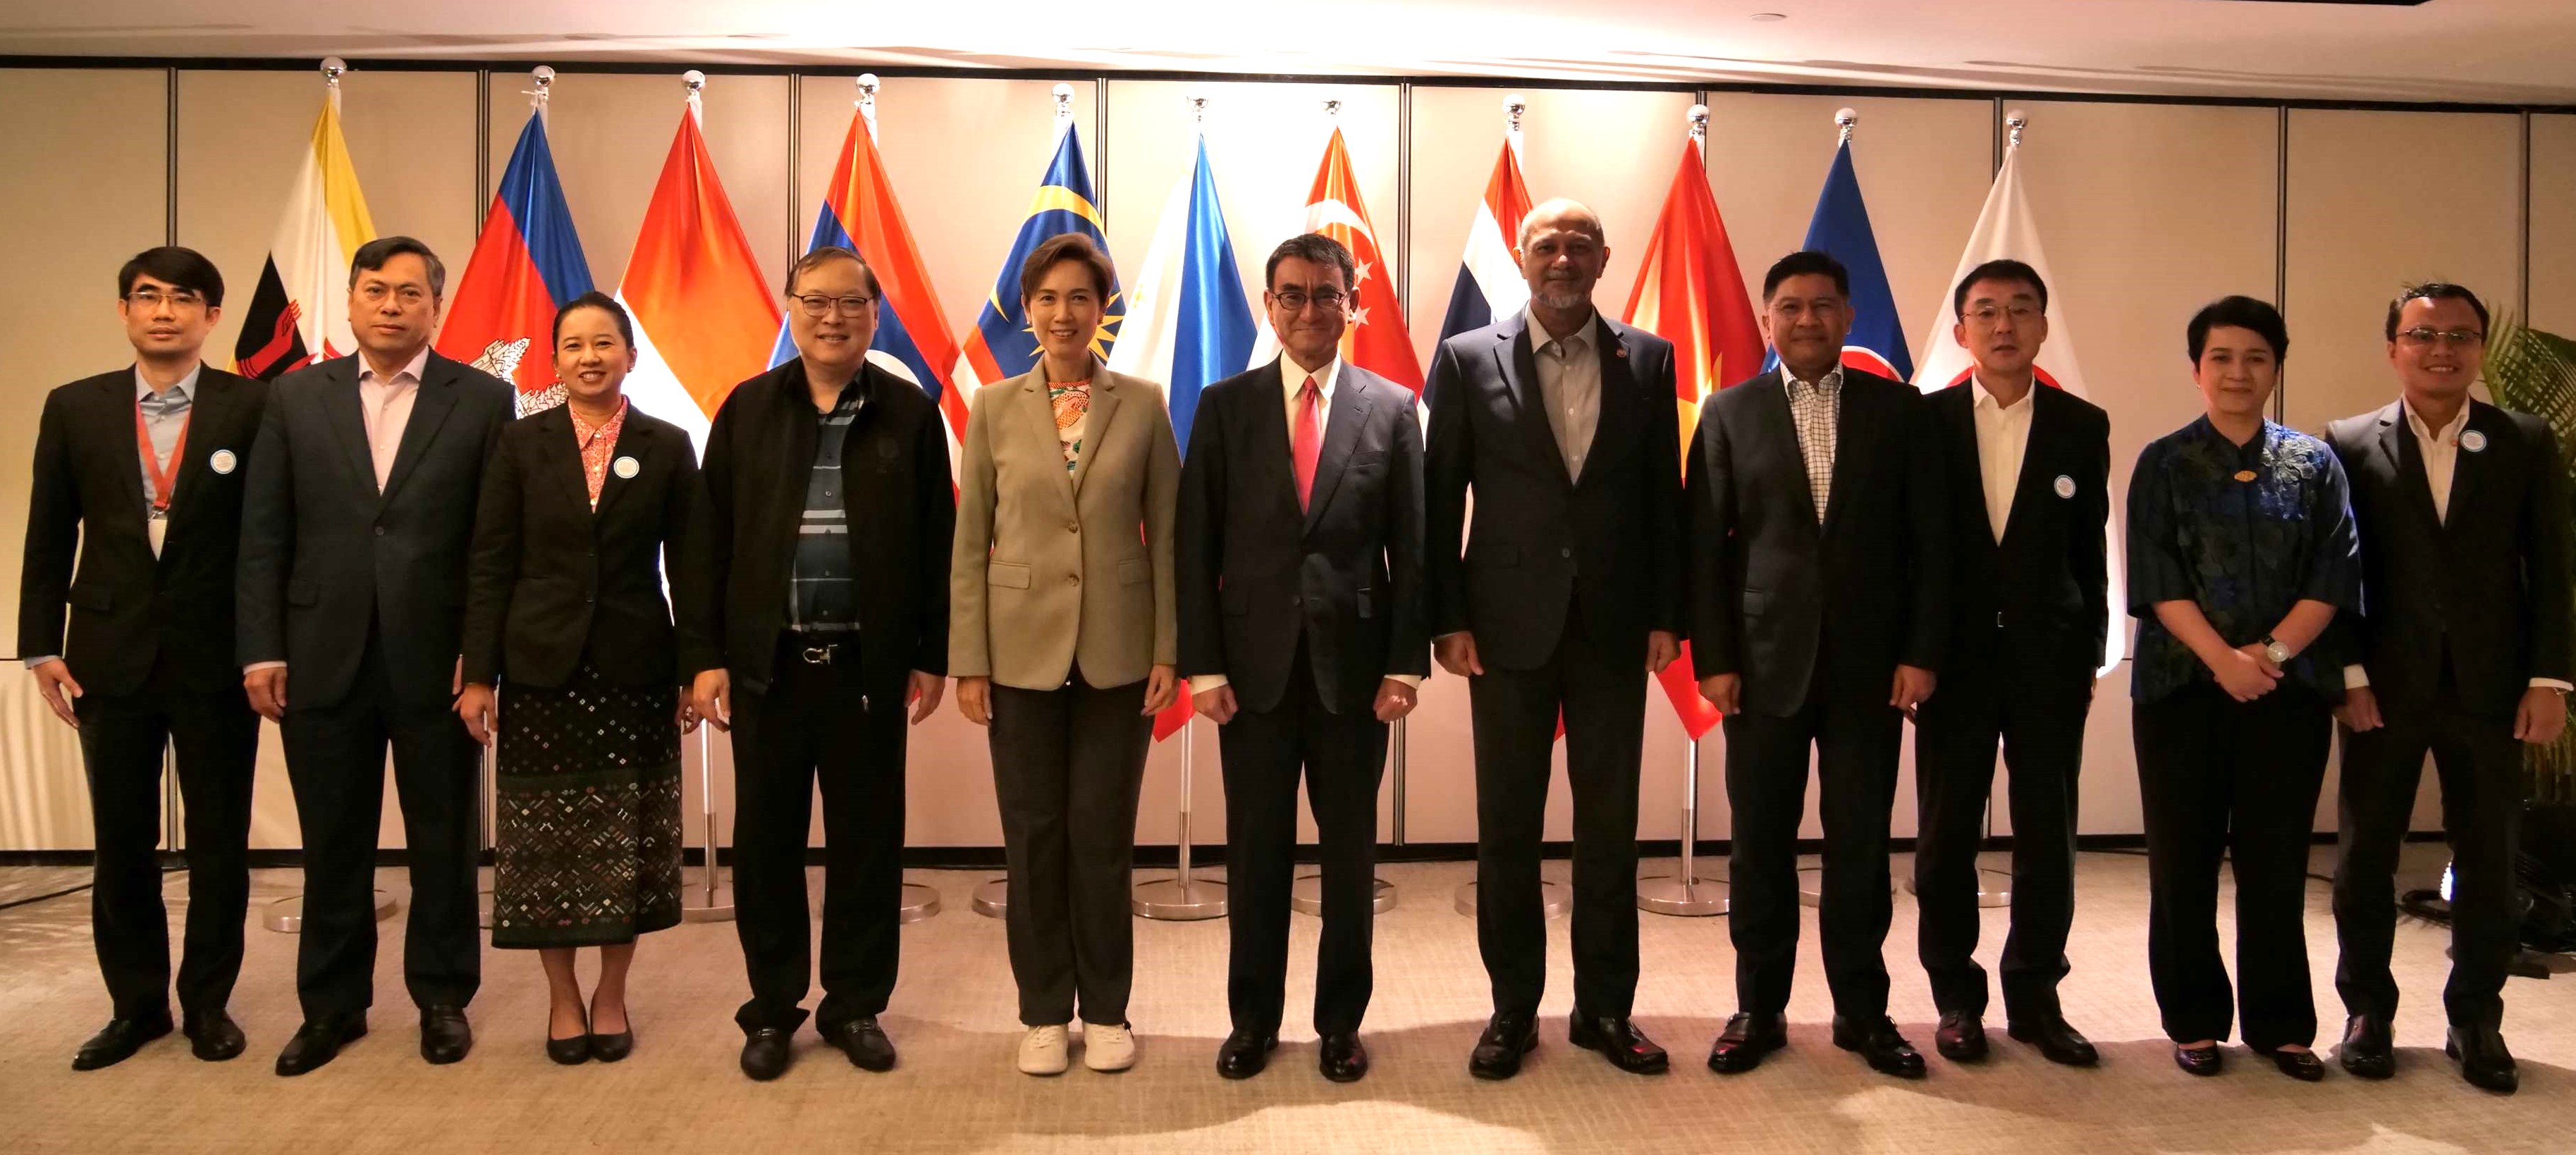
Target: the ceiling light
(1767, 17)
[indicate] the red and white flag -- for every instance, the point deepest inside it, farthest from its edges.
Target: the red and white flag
(1376, 339)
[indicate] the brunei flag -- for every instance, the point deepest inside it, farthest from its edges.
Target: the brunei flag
(1376, 340)
(1490, 284)
(859, 213)
(1876, 343)
(704, 318)
(1002, 346)
(526, 265)
(1691, 292)
(300, 312)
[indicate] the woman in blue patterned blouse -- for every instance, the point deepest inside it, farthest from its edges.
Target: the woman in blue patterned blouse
(2241, 550)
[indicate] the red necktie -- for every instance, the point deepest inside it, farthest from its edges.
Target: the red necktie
(1307, 443)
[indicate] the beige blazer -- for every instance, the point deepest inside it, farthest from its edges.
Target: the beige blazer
(1051, 570)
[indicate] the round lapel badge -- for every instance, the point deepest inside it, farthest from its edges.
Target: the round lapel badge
(626, 468)
(2473, 441)
(2065, 486)
(222, 461)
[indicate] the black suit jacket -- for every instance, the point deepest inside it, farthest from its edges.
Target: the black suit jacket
(1543, 541)
(2487, 586)
(1257, 574)
(739, 554)
(2031, 610)
(1771, 590)
(552, 580)
(325, 558)
(87, 496)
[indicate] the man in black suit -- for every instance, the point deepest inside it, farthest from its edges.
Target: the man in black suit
(1567, 596)
(1300, 571)
(149, 655)
(2462, 509)
(807, 648)
(1819, 611)
(356, 536)
(2028, 471)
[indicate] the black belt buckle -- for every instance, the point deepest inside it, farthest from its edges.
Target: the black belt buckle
(818, 655)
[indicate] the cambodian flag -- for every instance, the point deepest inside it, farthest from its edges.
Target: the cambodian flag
(1001, 346)
(527, 263)
(1841, 227)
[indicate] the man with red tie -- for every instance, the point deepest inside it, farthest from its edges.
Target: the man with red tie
(1302, 636)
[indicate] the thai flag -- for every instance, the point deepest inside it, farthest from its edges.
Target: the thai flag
(1189, 324)
(1489, 282)
(1841, 227)
(859, 213)
(1001, 346)
(527, 263)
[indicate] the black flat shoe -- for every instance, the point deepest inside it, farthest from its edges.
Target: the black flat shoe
(1508, 1036)
(611, 1048)
(864, 1042)
(213, 1036)
(117, 1042)
(2197, 1060)
(2304, 1066)
(445, 1036)
(1618, 1040)
(1343, 1059)
(2367, 1050)
(2057, 1042)
(318, 1042)
(1244, 1054)
(1740, 1047)
(570, 1052)
(765, 1053)
(1887, 1051)
(1961, 1038)
(2483, 1059)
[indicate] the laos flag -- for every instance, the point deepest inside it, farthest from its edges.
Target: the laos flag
(1841, 227)
(527, 263)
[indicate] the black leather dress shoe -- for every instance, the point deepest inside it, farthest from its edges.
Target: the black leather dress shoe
(1507, 1037)
(1343, 1059)
(1887, 1051)
(570, 1052)
(864, 1042)
(765, 1053)
(2367, 1051)
(2483, 1060)
(1740, 1047)
(2057, 1042)
(214, 1037)
(1619, 1040)
(1244, 1054)
(2304, 1066)
(319, 1041)
(117, 1042)
(1961, 1037)
(611, 1048)
(2202, 1061)
(445, 1037)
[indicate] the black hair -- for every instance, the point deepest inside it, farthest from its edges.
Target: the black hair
(374, 255)
(595, 299)
(2238, 312)
(170, 264)
(2435, 291)
(2003, 269)
(1067, 248)
(1316, 248)
(825, 255)
(1802, 263)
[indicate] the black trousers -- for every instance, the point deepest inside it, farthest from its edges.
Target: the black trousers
(2480, 766)
(1515, 715)
(826, 725)
(1955, 731)
(1067, 765)
(1342, 756)
(335, 758)
(1856, 742)
(216, 740)
(2218, 777)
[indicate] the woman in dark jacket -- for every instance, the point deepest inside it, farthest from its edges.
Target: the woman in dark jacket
(568, 638)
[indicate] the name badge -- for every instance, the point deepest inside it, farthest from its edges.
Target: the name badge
(2473, 441)
(2065, 486)
(222, 461)
(626, 467)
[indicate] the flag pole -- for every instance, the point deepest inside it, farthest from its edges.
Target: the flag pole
(708, 900)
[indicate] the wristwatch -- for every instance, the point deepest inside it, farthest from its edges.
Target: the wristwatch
(2275, 652)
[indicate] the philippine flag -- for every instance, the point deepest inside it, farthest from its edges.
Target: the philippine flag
(1189, 324)
(1489, 283)
(527, 263)
(1001, 346)
(1841, 227)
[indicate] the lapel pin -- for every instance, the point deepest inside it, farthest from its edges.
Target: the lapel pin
(2473, 441)
(2244, 475)
(2065, 486)
(1620, 350)
(626, 468)
(222, 461)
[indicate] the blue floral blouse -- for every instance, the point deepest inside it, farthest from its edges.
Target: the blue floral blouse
(2244, 550)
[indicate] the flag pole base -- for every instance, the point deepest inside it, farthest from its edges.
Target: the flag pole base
(1176, 900)
(919, 902)
(1698, 896)
(992, 899)
(1306, 895)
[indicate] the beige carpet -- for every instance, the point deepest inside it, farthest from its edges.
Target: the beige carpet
(953, 1019)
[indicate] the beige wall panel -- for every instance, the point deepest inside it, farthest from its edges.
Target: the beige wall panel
(611, 132)
(2379, 200)
(85, 194)
(2553, 223)
(1924, 169)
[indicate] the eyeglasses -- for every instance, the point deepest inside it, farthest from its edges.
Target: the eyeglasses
(2455, 338)
(816, 305)
(1989, 314)
(1295, 300)
(155, 298)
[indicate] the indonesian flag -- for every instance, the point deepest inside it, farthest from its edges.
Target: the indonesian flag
(704, 318)
(1376, 340)
(1489, 283)
(1690, 292)
(859, 213)
(2006, 229)
(300, 312)
(526, 265)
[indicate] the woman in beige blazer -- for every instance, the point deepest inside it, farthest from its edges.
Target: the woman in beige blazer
(1062, 638)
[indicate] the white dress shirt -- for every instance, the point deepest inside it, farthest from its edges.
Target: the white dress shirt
(385, 404)
(2003, 438)
(1815, 413)
(1569, 381)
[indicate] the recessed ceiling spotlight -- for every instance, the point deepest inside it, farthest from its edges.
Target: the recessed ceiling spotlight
(1767, 17)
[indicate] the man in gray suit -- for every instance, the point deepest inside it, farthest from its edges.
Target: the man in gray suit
(355, 532)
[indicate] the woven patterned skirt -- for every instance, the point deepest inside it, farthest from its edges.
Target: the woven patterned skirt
(588, 845)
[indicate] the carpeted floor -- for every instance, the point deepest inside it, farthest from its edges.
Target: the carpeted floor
(955, 1091)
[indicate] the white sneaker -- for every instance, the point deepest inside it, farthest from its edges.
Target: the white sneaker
(1044, 1051)
(1108, 1048)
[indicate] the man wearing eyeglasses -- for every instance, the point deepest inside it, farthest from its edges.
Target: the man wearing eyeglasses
(1302, 634)
(2462, 512)
(813, 607)
(139, 475)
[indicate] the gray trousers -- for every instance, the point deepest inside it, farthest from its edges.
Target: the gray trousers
(1067, 765)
